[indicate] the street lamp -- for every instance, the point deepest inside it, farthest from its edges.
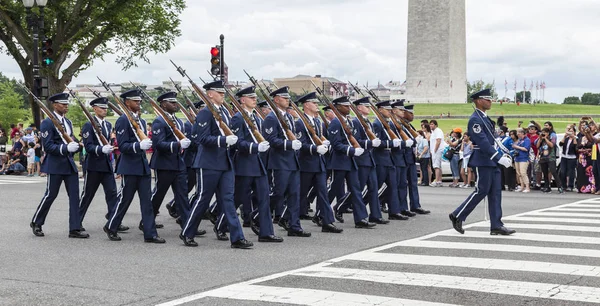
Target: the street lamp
(36, 25)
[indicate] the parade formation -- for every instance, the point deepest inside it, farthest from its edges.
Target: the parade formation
(235, 153)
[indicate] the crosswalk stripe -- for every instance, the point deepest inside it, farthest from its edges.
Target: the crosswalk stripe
(7, 182)
(555, 227)
(581, 205)
(503, 248)
(480, 263)
(576, 209)
(565, 214)
(526, 236)
(497, 286)
(300, 296)
(563, 220)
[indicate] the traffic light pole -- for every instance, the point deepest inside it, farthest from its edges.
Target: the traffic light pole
(36, 24)
(222, 63)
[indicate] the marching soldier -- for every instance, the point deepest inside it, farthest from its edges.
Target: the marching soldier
(60, 167)
(251, 174)
(485, 159)
(412, 176)
(387, 177)
(282, 159)
(134, 170)
(312, 164)
(98, 164)
(264, 108)
(344, 166)
(400, 157)
(167, 159)
(215, 171)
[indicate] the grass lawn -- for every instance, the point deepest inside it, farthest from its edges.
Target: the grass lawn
(448, 124)
(424, 109)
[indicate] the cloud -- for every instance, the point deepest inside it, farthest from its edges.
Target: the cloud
(537, 40)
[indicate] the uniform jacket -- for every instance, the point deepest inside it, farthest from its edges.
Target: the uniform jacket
(308, 157)
(95, 160)
(281, 156)
(366, 159)
(481, 131)
(213, 152)
(409, 152)
(190, 153)
(398, 154)
(58, 159)
(167, 154)
(342, 155)
(246, 159)
(133, 159)
(383, 154)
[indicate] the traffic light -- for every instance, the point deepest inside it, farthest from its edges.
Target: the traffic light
(215, 60)
(47, 52)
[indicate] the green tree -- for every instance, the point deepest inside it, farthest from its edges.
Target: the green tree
(527, 96)
(589, 98)
(77, 116)
(572, 100)
(11, 105)
(480, 85)
(85, 30)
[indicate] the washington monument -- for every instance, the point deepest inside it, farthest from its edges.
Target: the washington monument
(436, 68)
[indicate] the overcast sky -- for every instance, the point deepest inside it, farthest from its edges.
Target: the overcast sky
(540, 40)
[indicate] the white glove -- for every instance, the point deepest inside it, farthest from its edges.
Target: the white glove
(107, 149)
(322, 149)
(396, 142)
(263, 146)
(326, 143)
(376, 142)
(185, 143)
(409, 143)
(231, 140)
(145, 144)
(72, 147)
(296, 145)
(505, 161)
(359, 151)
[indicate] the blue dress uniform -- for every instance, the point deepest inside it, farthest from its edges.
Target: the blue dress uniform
(344, 168)
(167, 161)
(387, 175)
(313, 175)
(412, 175)
(60, 167)
(485, 159)
(135, 175)
(98, 164)
(214, 172)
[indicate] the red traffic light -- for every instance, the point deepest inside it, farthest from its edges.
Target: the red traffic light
(214, 51)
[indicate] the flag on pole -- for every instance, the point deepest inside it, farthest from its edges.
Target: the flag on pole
(435, 83)
(524, 85)
(537, 85)
(515, 88)
(450, 83)
(505, 85)
(531, 86)
(419, 83)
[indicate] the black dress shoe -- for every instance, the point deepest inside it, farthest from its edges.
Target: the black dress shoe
(106, 216)
(159, 225)
(384, 208)
(122, 228)
(271, 238)
(212, 217)
(330, 228)
(408, 213)
(457, 224)
(284, 223)
(397, 217)
(305, 217)
(242, 244)
(276, 219)
(78, 234)
(37, 229)
(246, 224)
(317, 220)
(421, 211)
(255, 227)
(172, 211)
(364, 224)
(379, 221)
(112, 236)
(310, 210)
(502, 231)
(220, 235)
(300, 233)
(338, 216)
(82, 229)
(154, 239)
(178, 220)
(188, 241)
(200, 232)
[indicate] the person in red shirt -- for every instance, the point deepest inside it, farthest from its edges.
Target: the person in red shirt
(534, 168)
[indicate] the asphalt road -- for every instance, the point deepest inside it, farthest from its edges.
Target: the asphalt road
(56, 270)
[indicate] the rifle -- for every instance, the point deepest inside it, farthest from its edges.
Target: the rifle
(383, 121)
(231, 97)
(110, 104)
(133, 122)
(394, 119)
(213, 109)
(286, 128)
(187, 101)
(50, 115)
(319, 110)
(337, 113)
(159, 111)
(95, 126)
(309, 127)
(361, 119)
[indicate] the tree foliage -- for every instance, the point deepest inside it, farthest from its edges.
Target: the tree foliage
(572, 100)
(473, 87)
(77, 116)
(527, 96)
(589, 98)
(11, 104)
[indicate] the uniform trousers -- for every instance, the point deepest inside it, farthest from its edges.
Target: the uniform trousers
(413, 186)
(177, 181)
(285, 189)
(387, 178)
(337, 191)
(92, 181)
(53, 182)
(317, 183)
(248, 188)
(488, 184)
